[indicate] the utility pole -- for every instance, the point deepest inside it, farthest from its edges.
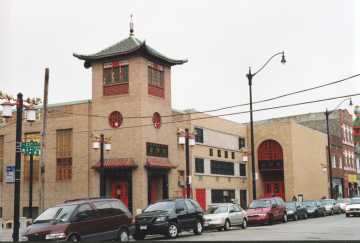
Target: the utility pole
(329, 153)
(19, 112)
(43, 138)
(187, 158)
(102, 174)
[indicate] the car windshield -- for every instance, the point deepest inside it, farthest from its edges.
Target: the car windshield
(217, 209)
(260, 204)
(343, 200)
(355, 200)
(59, 213)
(161, 206)
(290, 205)
(310, 203)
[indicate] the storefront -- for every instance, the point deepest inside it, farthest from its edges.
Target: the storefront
(338, 187)
(353, 185)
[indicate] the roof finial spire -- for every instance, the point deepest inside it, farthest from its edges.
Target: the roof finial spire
(131, 25)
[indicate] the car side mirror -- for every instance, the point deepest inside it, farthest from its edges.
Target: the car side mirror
(232, 211)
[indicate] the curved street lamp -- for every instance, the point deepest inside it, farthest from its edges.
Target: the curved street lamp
(327, 114)
(250, 76)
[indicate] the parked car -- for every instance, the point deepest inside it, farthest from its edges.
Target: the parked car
(83, 219)
(224, 215)
(169, 218)
(295, 211)
(266, 211)
(353, 208)
(314, 208)
(329, 206)
(343, 202)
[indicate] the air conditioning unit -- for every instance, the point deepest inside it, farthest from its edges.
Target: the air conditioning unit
(245, 158)
(181, 140)
(181, 183)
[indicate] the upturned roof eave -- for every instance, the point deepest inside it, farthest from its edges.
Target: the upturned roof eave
(90, 58)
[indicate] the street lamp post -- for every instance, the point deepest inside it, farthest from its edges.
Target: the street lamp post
(327, 114)
(250, 76)
(102, 144)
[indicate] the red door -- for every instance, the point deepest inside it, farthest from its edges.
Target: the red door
(274, 189)
(154, 189)
(201, 197)
(119, 190)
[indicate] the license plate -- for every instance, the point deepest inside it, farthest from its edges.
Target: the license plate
(143, 227)
(206, 224)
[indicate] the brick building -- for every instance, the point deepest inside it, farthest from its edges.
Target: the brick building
(356, 134)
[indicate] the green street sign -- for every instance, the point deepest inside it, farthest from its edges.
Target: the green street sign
(31, 148)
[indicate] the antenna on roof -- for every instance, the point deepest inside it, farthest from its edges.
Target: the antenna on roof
(131, 25)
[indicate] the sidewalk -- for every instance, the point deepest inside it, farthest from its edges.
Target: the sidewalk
(6, 234)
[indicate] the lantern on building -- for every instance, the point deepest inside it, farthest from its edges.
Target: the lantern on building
(96, 145)
(7, 109)
(107, 146)
(30, 114)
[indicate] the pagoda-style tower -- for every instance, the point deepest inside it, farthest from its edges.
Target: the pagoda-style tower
(131, 102)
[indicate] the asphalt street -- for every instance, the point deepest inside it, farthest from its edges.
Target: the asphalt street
(336, 227)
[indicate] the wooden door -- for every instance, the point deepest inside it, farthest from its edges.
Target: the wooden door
(120, 190)
(201, 197)
(274, 189)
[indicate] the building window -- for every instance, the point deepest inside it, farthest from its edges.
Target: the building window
(243, 199)
(242, 169)
(64, 154)
(233, 155)
(1, 157)
(199, 165)
(156, 76)
(340, 163)
(115, 73)
(219, 153)
(35, 212)
(211, 152)
(199, 135)
(36, 159)
(221, 167)
(333, 160)
(241, 142)
(226, 154)
(222, 196)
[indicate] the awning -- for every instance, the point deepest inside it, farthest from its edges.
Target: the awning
(158, 163)
(117, 163)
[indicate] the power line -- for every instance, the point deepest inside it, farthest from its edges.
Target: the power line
(225, 114)
(228, 107)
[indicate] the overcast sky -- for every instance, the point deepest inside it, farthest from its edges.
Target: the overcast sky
(221, 39)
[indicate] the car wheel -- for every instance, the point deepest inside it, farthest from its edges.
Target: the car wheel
(172, 231)
(74, 238)
(285, 219)
(123, 235)
(270, 220)
(198, 228)
(139, 236)
(347, 215)
(244, 224)
(306, 216)
(227, 225)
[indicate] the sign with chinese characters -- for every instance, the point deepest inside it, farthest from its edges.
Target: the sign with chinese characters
(10, 174)
(157, 150)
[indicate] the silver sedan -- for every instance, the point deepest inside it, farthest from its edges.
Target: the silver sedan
(224, 215)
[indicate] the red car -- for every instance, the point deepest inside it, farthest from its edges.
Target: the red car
(267, 211)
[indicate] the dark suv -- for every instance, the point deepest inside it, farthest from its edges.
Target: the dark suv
(83, 219)
(169, 218)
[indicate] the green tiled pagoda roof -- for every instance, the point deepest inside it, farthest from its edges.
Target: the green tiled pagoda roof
(128, 46)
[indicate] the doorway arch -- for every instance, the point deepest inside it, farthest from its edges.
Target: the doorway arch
(271, 168)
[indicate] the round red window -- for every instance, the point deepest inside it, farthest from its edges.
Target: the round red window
(115, 119)
(156, 120)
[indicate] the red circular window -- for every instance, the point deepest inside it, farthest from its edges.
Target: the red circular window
(115, 119)
(156, 120)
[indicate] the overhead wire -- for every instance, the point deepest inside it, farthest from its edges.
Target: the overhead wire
(229, 107)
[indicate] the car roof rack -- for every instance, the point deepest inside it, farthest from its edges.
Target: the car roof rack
(84, 199)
